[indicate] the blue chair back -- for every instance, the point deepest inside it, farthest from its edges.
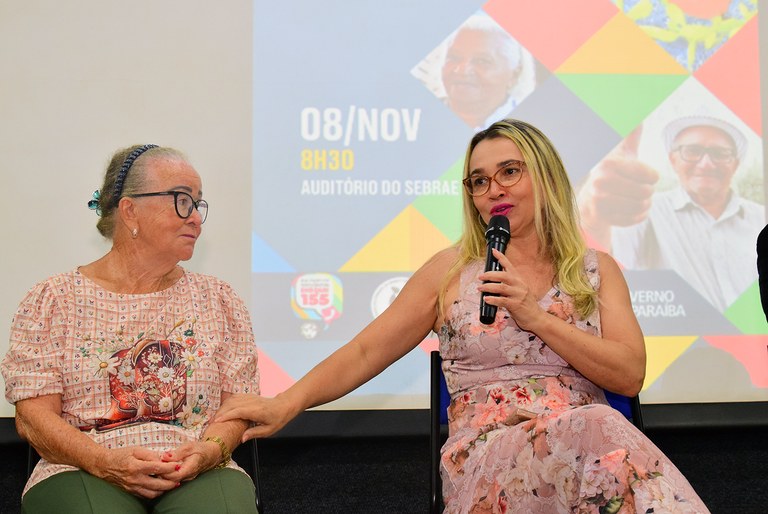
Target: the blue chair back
(445, 398)
(620, 403)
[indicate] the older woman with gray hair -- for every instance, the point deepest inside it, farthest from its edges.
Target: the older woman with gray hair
(117, 367)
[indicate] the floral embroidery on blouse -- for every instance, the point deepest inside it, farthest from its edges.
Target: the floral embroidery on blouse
(147, 377)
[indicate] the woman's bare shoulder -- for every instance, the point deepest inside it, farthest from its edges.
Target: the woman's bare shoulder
(607, 263)
(440, 262)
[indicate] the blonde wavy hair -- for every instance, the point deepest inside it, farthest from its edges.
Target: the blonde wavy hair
(555, 216)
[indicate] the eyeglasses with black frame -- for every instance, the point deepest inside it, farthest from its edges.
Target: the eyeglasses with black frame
(717, 154)
(183, 202)
(507, 175)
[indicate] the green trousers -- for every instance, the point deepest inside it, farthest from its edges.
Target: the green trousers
(77, 492)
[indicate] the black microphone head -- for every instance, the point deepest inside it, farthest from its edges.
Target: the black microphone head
(498, 229)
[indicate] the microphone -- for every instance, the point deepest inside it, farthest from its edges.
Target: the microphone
(497, 236)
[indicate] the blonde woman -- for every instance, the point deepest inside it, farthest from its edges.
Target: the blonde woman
(530, 428)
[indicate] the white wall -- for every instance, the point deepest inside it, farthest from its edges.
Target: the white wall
(82, 78)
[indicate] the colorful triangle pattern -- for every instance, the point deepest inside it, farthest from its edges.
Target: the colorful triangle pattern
(561, 37)
(662, 351)
(622, 62)
(387, 250)
(622, 101)
(734, 77)
(746, 313)
(430, 224)
(620, 47)
(750, 351)
(273, 378)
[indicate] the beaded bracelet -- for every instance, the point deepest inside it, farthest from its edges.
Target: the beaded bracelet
(226, 455)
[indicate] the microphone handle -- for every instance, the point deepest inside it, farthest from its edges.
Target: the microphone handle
(488, 312)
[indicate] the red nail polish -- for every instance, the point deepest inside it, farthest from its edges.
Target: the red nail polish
(178, 467)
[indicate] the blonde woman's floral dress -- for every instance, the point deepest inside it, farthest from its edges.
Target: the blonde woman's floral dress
(576, 455)
(132, 369)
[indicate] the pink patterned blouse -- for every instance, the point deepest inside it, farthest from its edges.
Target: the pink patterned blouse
(132, 369)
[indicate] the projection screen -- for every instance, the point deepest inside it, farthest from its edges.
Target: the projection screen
(330, 138)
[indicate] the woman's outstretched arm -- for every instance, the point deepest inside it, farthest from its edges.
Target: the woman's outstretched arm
(395, 332)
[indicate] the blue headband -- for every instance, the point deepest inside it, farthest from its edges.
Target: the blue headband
(120, 180)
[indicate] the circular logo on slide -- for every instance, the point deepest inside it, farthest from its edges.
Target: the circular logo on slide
(385, 294)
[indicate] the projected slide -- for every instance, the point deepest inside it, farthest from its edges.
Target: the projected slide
(362, 112)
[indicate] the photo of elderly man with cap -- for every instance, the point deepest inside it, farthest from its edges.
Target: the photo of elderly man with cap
(702, 228)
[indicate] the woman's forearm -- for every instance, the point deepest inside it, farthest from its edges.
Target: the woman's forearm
(613, 365)
(39, 421)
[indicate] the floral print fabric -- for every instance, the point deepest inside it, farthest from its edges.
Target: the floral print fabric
(529, 434)
(132, 369)
(147, 378)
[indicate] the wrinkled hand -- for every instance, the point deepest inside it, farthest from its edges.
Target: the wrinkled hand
(511, 293)
(618, 190)
(139, 471)
(269, 414)
(191, 459)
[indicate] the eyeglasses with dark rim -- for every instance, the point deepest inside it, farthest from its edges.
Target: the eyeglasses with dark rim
(183, 202)
(717, 154)
(507, 175)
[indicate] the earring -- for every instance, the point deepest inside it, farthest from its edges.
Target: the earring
(135, 233)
